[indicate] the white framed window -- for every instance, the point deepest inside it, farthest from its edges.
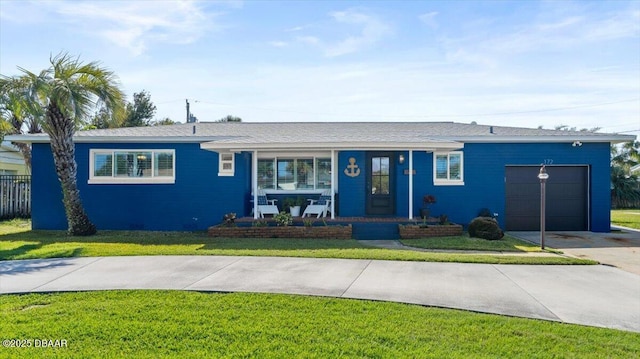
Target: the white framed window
(288, 173)
(448, 168)
(226, 164)
(140, 166)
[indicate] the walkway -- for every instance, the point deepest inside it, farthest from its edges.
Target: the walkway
(591, 295)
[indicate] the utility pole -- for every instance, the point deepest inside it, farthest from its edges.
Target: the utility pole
(188, 114)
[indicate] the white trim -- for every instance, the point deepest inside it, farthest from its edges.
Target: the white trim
(221, 162)
(333, 184)
(254, 182)
(448, 182)
(297, 154)
(410, 184)
(314, 146)
(130, 180)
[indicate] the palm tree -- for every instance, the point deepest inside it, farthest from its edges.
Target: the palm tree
(17, 115)
(68, 91)
(625, 191)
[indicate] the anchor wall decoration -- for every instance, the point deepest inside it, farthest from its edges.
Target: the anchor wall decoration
(352, 169)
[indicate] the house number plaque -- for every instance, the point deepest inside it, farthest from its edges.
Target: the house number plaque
(352, 169)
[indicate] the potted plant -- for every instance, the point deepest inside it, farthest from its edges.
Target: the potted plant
(294, 205)
(427, 200)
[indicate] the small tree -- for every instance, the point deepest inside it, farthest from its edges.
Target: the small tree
(230, 118)
(141, 111)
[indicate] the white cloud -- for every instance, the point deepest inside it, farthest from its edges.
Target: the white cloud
(136, 25)
(372, 30)
(429, 19)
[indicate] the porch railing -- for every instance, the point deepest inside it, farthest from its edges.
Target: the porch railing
(15, 196)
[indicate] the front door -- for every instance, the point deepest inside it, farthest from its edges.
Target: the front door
(380, 184)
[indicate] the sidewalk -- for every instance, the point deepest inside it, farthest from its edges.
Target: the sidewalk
(591, 295)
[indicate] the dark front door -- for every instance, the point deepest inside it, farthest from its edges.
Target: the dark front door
(380, 184)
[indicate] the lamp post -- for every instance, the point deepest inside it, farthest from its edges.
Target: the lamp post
(542, 176)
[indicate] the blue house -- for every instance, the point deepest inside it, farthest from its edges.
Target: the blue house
(187, 176)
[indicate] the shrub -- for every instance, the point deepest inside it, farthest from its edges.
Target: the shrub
(229, 219)
(283, 219)
(259, 223)
(485, 227)
(485, 212)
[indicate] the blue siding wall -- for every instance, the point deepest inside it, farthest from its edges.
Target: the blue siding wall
(198, 199)
(351, 189)
(484, 177)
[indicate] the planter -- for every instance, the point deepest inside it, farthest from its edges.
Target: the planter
(295, 211)
(324, 232)
(415, 231)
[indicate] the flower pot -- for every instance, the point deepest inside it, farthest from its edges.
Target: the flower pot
(295, 211)
(424, 213)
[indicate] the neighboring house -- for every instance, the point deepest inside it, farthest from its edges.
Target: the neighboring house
(11, 160)
(187, 176)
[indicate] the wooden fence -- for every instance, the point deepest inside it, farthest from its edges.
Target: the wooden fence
(15, 196)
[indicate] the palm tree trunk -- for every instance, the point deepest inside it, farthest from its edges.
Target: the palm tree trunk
(61, 132)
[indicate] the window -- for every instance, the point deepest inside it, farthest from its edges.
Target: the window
(323, 173)
(449, 168)
(226, 164)
(294, 173)
(131, 166)
(265, 174)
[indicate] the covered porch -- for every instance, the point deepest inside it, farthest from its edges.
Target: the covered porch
(364, 179)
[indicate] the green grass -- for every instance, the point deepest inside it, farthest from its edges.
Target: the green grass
(21, 243)
(464, 242)
(157, 324)
(626, 217)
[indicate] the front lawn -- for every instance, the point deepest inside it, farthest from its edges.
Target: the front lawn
(22, 243)
(464, 242)
(626, 217)
(154, 324)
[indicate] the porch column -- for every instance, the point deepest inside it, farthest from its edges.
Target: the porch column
(334, 173)
(254, 182)
(410, 184)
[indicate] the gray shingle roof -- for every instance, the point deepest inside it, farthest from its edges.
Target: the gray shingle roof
(228, 134)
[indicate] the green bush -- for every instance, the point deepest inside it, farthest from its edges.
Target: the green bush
(283, 219)
(486, 228)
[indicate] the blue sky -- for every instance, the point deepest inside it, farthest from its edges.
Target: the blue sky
(522, 63)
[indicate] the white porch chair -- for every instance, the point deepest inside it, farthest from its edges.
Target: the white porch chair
(266, 206)
(319, 207)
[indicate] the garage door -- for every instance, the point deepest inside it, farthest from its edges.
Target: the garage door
(567, 198)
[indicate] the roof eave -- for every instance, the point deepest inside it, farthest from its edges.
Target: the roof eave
(544, 139)
(422, 146)
(112, 139)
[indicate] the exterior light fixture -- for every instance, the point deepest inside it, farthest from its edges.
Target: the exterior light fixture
(576, 144)
(401, 159)
(543, 176)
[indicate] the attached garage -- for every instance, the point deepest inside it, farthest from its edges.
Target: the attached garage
(567, 198)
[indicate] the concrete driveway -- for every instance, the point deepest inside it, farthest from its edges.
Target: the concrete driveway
(590, 295)
(620, 249)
